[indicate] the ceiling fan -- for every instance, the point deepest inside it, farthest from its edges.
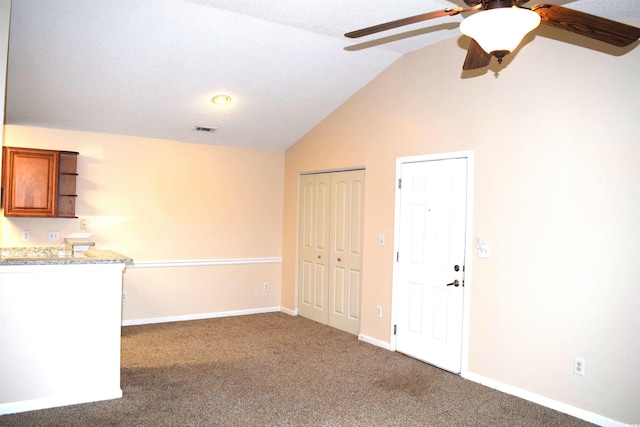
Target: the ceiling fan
(502, 25)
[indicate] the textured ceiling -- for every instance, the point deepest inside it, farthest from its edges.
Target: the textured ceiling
(150, 67)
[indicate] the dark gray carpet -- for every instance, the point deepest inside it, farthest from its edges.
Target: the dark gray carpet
(278, 370)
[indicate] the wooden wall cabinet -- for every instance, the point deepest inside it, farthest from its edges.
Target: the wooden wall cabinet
(39, 183)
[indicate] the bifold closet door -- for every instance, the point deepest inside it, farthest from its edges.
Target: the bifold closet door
(331, 225)
(313, 271)
(345, 274)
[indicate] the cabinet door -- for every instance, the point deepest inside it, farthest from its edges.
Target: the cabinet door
(30, 178)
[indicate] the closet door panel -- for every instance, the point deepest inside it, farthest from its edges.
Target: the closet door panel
(345, 284)
(313, 270)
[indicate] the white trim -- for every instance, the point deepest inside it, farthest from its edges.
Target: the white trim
(203, 262)
(468, 264)
(296, 291)
(288, 311)
(296, 303)
(347, 169)
(469, 155)
(54, 402)
(199, 316)
(373, 341)
(544, 401)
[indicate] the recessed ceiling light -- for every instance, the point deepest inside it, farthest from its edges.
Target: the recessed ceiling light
(221, 99)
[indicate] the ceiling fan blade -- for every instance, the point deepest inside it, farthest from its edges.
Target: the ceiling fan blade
(592, 26)
(406, 21)
(476, 57)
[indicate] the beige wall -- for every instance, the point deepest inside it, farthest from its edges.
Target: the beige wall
(556, 138)
(158, 200)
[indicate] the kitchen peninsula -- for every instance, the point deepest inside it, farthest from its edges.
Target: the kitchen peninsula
(60, 321)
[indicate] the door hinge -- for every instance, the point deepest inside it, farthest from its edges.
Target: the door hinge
(395, 329)
(399, 182)
(397, 256)
(463, 276)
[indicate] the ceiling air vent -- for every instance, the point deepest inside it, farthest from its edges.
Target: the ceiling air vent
(205, 129)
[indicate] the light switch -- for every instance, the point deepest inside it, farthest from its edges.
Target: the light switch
(484, 251)
(381, 239)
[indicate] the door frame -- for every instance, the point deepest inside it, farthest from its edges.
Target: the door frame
(468, 155)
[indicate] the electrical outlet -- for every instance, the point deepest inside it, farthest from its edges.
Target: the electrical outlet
(265, 286)
(83, 223)
(53, 236)
(124, 296)
(379, 312)
(578, 366)
(26, 235)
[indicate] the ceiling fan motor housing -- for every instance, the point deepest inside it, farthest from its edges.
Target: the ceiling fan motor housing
(495, 4)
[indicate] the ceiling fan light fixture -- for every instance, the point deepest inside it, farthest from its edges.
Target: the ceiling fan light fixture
(499, 31)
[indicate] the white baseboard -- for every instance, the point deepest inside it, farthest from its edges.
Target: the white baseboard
(544, 401)
(198, 316)
(375, 342)
(54, 402)
(289, 311)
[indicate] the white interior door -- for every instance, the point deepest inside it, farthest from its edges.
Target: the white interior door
(430, 261)
(345, 278)
(313, 272)
(330, 248)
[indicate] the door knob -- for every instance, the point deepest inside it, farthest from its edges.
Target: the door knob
(319, 257)
(455, 283)
(339, 259)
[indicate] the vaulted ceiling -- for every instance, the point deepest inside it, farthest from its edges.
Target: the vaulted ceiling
(149, 68)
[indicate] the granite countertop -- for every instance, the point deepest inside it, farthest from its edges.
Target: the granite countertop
(45, 255)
